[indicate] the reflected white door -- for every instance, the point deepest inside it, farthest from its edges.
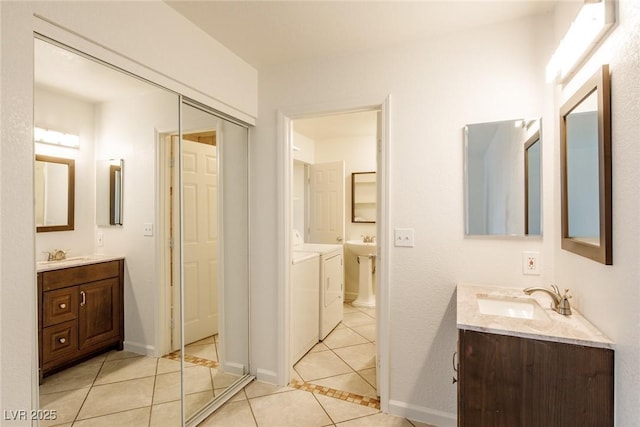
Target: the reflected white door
(326, 202)
(199, 162)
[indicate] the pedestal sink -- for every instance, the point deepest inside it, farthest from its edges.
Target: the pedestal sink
(366, 257)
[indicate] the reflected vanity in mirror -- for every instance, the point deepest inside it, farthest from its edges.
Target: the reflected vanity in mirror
(503, 178)
(363, 197)
(54, 186)
(585, 161)
(109, 192)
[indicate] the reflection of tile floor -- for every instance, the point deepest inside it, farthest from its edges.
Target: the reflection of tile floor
(203, 352)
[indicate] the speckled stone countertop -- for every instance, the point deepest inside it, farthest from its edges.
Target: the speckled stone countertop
(74, 262)
(573, 329)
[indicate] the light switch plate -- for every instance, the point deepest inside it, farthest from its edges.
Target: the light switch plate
(99, 239)
(404, 237)
(147, 229)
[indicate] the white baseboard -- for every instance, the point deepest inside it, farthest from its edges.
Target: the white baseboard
(138, 348)
(234, 368)
(266, 376)
(423, 414)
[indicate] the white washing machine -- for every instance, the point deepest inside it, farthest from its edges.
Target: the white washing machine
(305, 303)
(330, 281)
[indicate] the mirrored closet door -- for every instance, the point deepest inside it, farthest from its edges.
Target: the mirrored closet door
(174, 216)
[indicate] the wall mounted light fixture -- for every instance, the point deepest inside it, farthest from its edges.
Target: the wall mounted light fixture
(595, 19)
(52, 137)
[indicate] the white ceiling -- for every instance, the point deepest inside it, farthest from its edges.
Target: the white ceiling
(265, 33)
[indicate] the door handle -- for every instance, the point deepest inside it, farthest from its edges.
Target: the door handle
(83, 298)
(339, 239)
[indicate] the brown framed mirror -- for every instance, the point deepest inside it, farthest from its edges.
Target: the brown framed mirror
(54, 193)
(585, 161)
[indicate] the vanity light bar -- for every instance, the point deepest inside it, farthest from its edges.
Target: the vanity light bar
(592, 23)
(54, 137)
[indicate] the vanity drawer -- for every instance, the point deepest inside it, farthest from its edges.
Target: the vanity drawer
(56, 279)
(60, 306)
(59, 341)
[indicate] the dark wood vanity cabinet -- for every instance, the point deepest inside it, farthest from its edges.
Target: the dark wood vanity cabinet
(509, 381)
(80, 313)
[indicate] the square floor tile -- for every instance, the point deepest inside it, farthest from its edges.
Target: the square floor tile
(65, 403)
(367, 331)
(232, 414)
(222, 380)
(290, 409)
(377, 420)
(359, 357)
(348, 308)
(341, 410)
(355, 319)
(127, 369)
(320, 365)
(196, 401)
(167, 365)
(207, 351)
(116, 397)
(168, 414)
(350, 382)
(369, 375)
(115, 355)
(134, 417)
(342, 338)
(259, 388)
(79, 376)
(319, 347)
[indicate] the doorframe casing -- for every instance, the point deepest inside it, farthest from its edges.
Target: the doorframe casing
(284, 246)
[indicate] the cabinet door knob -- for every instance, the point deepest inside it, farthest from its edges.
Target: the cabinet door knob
(62, 340)
(63, 305)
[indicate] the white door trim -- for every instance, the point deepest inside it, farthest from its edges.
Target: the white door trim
(284, 179)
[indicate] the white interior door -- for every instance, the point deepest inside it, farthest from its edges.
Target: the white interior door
(199, 175)
(326, 202)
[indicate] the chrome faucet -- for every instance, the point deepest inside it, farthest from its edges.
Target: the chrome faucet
(56, 255)
(368, 239)
(560, 301)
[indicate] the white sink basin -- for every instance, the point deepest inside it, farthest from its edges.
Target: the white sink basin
(361, 248)
(518, 308)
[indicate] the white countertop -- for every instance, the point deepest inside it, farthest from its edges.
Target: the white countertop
(573, 329)
(74, 262)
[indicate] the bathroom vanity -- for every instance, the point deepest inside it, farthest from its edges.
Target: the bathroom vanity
(80, 310)
(522, 364)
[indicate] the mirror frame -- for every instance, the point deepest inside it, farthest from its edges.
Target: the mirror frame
(602, 252)
(70, 194)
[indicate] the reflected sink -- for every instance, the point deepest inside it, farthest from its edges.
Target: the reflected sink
(361, 248)
(518, 308)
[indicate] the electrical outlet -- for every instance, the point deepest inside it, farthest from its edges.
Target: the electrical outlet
(531, 264)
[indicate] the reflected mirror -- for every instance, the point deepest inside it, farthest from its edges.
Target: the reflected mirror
(109, 192)
(54, 186)
(503, 178)
(363, 197)
(585, 136)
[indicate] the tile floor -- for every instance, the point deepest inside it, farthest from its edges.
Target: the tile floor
(333, 385)
(126, 389)
(345, 359)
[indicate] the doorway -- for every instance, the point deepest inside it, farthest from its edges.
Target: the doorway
(359, 329)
